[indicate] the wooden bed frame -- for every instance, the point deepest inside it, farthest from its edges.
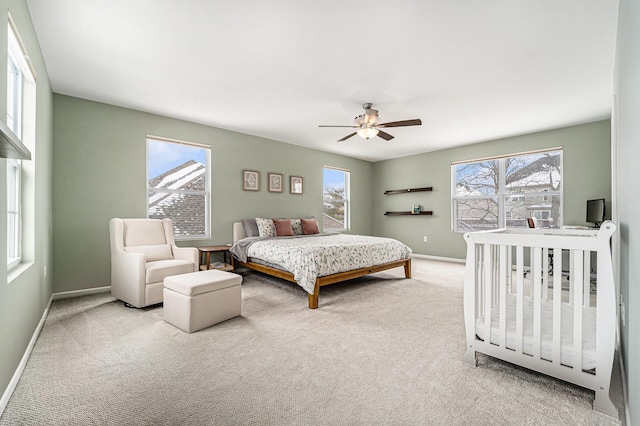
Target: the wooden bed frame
(238, 233)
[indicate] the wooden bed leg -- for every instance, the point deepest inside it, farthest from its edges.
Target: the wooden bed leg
(407, 269)
(313, 298)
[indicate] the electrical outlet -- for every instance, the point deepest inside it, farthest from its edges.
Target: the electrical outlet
(425, 238)
(45, 271)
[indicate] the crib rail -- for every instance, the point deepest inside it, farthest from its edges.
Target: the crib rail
(524, 304)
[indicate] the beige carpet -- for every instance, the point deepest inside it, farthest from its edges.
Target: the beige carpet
(379, 350)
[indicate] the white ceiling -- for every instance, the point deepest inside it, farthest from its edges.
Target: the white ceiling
(472, 70)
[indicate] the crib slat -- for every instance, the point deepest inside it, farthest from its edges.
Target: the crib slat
(519, 297)
(557, 304)
(587, 279)
(578, 272)
(478, 280)
(572, 278)
(488, 291)
(537, 305)
(509, 265)
(503, 296)
(545, 275)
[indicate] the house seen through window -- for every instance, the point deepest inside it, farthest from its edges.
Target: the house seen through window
(502, 192)
(335, 197)
(178, 185)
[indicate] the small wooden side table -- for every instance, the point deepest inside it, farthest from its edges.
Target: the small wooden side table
(205, 257)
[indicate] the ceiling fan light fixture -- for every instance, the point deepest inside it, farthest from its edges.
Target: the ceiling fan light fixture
(367, 132)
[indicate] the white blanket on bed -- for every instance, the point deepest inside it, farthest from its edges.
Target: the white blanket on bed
(546, 347)
(309, 258)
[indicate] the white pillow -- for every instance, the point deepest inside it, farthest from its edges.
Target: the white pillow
(152, 253)
(266, 227)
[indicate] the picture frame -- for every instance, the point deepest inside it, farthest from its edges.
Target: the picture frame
(275, 182)
(295, 184)
(250, 180)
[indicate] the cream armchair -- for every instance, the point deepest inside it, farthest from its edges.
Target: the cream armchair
(143, 253)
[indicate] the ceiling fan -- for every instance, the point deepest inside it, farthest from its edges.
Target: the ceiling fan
(368, 125)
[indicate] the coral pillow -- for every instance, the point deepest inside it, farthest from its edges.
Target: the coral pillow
(309, 226)
(283, 227)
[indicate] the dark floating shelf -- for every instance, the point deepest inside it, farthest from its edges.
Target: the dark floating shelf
(427, 213)
(404, 191)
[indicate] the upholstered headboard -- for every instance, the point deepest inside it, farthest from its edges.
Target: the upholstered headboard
(238, 231)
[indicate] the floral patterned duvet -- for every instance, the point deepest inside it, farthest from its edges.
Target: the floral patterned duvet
(325, 254)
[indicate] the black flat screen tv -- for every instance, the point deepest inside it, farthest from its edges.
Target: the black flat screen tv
(595, 212)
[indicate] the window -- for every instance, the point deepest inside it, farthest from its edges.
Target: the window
(178, 185)
(335, 199)
(504, 191)
(13, 212)
(20, 85)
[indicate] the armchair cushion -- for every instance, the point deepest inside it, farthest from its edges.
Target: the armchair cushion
(157, 271)
(152, 253)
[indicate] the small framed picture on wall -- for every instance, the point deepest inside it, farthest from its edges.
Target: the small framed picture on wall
(275, 182)
(295, 185)
(250, 180)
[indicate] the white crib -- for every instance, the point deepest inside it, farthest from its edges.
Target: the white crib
(516, 309)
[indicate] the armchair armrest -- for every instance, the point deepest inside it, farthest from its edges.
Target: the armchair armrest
(190, 254)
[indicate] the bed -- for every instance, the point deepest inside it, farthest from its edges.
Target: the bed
(313, 261)
(544, 299)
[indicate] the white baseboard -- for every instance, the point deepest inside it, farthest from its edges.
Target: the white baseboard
(23, 362)
(78, 293)
(440, 258)
(27, 353)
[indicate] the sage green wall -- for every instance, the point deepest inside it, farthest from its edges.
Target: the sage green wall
(587, 174)
(25, 293)
(99, 173)
(627, 175)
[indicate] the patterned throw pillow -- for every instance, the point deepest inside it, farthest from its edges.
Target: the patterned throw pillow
(296, 227)
(265, 227)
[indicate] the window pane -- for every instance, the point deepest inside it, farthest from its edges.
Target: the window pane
(187, 211)
(477, 178)
(533, 173)
(333, 215)
(545, 208)
(13, 210)
(173, 165)
(477, 214)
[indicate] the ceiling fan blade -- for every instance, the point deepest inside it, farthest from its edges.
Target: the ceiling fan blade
(347, 137)
(416, 122)
(329, 125)
(384, 135)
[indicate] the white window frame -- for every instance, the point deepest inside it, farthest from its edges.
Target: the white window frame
(345, 200)
(19, 73)
(502, 194)
(206, 193)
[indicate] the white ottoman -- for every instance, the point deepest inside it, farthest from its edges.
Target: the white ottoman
(201, 299)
